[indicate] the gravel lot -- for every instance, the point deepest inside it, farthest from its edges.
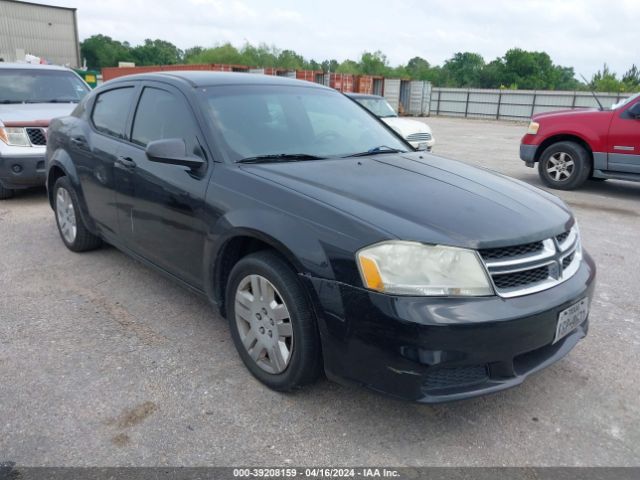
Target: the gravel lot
(105, 362)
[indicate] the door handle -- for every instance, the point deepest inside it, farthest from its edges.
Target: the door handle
(79, 142)
(126, 162)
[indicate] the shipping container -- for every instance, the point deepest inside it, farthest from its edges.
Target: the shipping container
(378, 86)
(392, 92)
(405, 92)
(364, 84)
(419, 98)
(109, 73)
(316, 76)
(342, 82)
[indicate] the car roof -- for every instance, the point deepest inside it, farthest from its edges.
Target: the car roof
(207, 79)
(30, 66)
(363, 95)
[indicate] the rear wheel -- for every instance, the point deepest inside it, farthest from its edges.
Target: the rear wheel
(71, 227)
(272, 324)
(564, 165)
(5, 193)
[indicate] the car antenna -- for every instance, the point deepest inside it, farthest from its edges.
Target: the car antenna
(592, 92)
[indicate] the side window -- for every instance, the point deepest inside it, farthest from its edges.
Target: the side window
(111, 111)
(161, 114)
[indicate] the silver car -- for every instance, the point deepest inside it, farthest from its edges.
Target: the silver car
(30, 97)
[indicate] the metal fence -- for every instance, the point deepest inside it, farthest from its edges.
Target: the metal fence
(511, 104)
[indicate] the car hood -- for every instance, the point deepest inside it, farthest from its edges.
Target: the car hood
(406, 126)
(34, 112)
(422, 197)
(581, 112)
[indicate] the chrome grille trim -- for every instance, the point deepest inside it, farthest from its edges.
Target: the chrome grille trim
(552, 256)
(419, 137)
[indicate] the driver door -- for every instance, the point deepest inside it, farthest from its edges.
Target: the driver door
(624, 142)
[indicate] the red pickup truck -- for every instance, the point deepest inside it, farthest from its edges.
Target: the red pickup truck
(572, 146)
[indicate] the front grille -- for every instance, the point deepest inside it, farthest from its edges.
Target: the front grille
(532, 267)
(566, 261)
(419, 137)
(37, 136)
(515, 251)
(521, 279)
(455, 376)
(563, 236)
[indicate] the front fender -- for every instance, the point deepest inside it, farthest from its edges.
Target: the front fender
(60, 160)
(293, 238)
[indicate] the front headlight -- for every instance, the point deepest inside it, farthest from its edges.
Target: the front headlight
(14, 136)
(533, 128)
(411, 268)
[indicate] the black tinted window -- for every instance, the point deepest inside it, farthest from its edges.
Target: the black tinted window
(111, 111)
(160, 115)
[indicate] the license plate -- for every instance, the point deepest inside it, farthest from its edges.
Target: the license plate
(570, 318)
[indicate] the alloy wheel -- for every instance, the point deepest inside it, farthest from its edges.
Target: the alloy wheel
(560, 166)
(66, 215)
(264, 324)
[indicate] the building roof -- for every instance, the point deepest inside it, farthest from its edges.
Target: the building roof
(40, 5)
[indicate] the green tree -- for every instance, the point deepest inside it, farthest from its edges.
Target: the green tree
(375, 63)
(463, 69)
(156, 52)
(606, 81)
(418, 68)
(102, 51)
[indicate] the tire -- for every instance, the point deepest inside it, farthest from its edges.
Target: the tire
(71, 227)
(5, 193)
(564, 166)
(282, 372)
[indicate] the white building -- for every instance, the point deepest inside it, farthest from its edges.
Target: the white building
(44, 31)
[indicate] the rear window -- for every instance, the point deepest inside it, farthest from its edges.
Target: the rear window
(111, 110)
(40, 86)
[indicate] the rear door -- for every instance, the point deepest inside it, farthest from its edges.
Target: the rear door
(95, 150)
(624, 142)
(162, 212)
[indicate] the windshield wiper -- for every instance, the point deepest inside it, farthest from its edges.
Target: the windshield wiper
(7, 102)
(280, 157)
(377, 151)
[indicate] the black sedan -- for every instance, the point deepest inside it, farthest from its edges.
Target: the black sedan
(328, 243)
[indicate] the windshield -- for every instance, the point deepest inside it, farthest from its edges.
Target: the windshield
(624, 102)
(378, 106)
(261, 120)
(40, 86)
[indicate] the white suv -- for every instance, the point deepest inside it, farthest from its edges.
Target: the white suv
(30, 97)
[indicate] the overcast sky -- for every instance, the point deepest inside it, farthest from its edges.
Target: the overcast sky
(579, 33)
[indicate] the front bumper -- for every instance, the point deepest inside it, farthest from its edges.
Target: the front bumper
(22, 171)
(528, 154)
(441, 349)
(429, 144)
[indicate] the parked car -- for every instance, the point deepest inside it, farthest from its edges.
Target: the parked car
(418, 134)
(30, 96)
(571, 146)
(327, 243)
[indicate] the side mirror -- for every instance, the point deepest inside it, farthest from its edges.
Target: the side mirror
(172, 151)
(634, 110)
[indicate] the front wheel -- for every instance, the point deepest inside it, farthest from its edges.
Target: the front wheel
(71, 227)
(564, 165)
(272, 324)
